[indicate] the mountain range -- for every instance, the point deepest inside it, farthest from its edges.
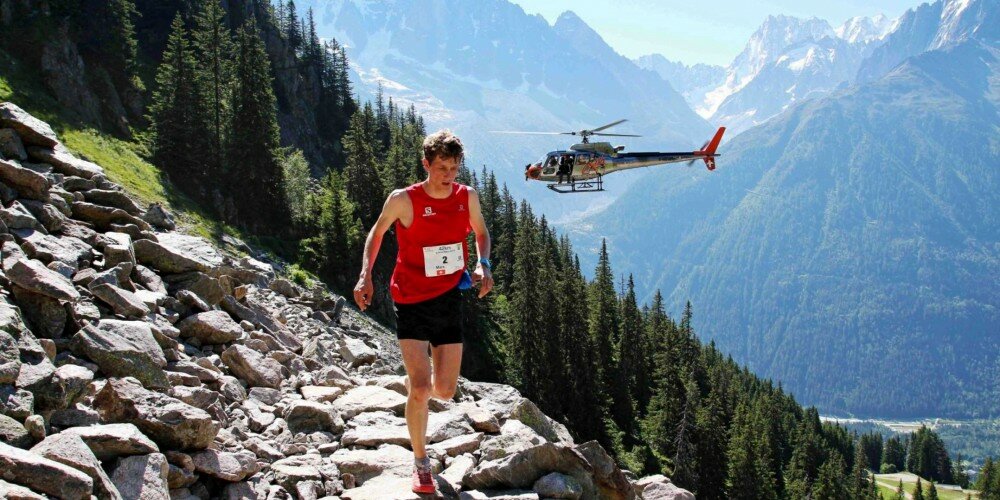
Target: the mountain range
(849, 246)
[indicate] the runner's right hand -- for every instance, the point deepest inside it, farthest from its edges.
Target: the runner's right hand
(363, 292)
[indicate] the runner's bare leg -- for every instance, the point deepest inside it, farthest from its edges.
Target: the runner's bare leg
(447, 365)
(419, 387)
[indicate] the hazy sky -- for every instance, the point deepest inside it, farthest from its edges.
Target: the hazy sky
(691, 33)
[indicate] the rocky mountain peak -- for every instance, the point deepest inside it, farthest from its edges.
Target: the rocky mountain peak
(863, 29)
(140, 362)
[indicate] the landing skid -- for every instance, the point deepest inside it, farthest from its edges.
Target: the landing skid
(574, 186)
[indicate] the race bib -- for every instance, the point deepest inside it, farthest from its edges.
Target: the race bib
(443, 260)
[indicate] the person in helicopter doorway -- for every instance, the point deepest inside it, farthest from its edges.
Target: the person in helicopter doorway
(432, 220)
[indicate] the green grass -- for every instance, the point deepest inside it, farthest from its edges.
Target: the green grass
(887, 484)
(124, 161)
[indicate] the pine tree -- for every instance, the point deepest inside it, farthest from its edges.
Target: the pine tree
(918, 491)
(524, 326)
(604, 327)
(859, 475)
(293, 31)
(830, 485)
(711, 449)
(900, 492)
(932, 491)
(686, 441)
(364, 187)
(894, 453)
(253, 171)
(174, 113)
(748, 478)
(630, 349)
(214, 47)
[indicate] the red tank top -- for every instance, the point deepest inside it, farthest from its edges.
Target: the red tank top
(435, 222)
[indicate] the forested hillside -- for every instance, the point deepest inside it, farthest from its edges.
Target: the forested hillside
(213, 112)
(847, 247)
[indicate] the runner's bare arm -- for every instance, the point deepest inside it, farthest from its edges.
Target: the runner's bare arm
(393, 209)
(481, 275)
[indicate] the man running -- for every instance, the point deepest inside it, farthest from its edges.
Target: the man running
(432, 219)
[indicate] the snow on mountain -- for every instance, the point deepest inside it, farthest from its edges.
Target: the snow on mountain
(864, 29)
(933, 26)
(693, 82)
(476, 67)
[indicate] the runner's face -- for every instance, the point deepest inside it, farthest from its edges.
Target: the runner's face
(442, 171)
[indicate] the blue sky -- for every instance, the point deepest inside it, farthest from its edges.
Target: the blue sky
(691, 33)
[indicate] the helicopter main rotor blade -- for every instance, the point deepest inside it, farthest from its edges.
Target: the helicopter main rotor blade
(618, 135)
(529, 133)
(612, 124)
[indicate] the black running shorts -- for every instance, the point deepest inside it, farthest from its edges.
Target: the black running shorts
(438, 320)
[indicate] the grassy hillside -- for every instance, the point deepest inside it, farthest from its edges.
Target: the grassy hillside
(887, 484)
(122, 159)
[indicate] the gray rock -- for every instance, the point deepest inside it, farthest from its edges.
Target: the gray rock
(15, 492)
(27, 182)
(514, 437)
(375, 429)
(168, 421)
(123, 349)
(112, 198)
(389, 486)
(10, 359)
(285, 287)
(177, 253)
(458, 445)
(252, 367)
(70, 450)
(30, 129)
(556, 485)
(204, 286)
(64, 162)
(498, 495)
(659, 487)
(527, 412)
(457, 469)
(48, 215)
(142, 476)
(309, 416)
(118, 254)
(103, 217)
(193, 301)
(43, 475)
(442, 426)
(11, 145)
(35, 376)
(320, 393)
(74, 416)
(109, 441)
(610, 481)
(13, 433)
(123, 302)
(368, 399)
(48, 248)
(149, 279)
(522, 469)
(16, 403)
(17, 216)
(230, 467)
(212, 327)
(366, 464)
(159, 217)
(292, 470)
(66, 384)
(35, 425)
(46, 316)
(357, 353)
(34, 276)
(73, 183)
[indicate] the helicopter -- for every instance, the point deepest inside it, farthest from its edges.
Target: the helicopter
(582, 168)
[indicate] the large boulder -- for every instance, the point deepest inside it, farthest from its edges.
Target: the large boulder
(32, 275)
(13, 433)
(375, 429)
(168, 421)
(32, 130)
(514, 437)
(112, 198)
(659, 487)
(47, 248)
(527, 412)
(47, 316)
(253, 367)
(67, 382)
(27, 182)
(369, 398)
(611, 482)
(212, 327)
(309, 416)
(143, 476)
(122, 302)
(366, 464)
(44, 475)
(10, 359)
(70, 450)
(177, 253)
(105, 217)
(64, 162)
(522, 469)
(11, 145)
(123, 349)
(110, 441)
(230, 467)
(556, 485)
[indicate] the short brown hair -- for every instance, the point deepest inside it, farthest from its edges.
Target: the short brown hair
(445, 144)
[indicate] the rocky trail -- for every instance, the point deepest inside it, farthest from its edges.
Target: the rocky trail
(140, 362)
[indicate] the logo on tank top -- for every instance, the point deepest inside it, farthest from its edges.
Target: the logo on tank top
(428, 211)
(461, 208)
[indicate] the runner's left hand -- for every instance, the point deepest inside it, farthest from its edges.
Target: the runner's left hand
(484, 278)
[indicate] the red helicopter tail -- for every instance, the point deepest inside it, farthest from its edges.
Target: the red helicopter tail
(708, 150)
